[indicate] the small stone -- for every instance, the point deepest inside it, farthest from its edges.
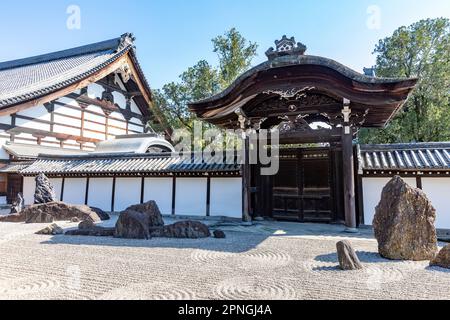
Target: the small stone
(75, 220)
(219, 234)
(348, 260)
(443, 258)
(53, 229)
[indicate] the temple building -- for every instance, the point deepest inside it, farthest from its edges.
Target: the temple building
(84, 118)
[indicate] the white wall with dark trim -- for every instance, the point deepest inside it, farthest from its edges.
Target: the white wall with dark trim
(116, 194)
(436, 189)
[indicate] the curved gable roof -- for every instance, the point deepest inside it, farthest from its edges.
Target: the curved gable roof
(290, 71)
(30, 78)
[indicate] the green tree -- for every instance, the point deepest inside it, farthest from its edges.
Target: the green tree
(420, 50)
(203, 80)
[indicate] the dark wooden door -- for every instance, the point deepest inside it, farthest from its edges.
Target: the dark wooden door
(15, 185)
(302, 189)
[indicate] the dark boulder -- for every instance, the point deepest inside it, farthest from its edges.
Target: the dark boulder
(132, 225)
(151, 210)
(348, 260)
(443, 258)
(219, 234)
(44, 192)
(182, 229)
(135, 221)
(102, 214)
(404, 223)
(93, 232)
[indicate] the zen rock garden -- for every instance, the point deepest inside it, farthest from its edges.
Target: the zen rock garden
(404, 228)
(142, 221)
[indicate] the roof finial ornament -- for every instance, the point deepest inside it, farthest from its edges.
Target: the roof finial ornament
(127, 39)
(286, 46)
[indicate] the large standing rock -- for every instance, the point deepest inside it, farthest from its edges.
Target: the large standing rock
(44, 190)
(443, 258)
(182, 229)
(132, 225)
(151, 210)
(348, 260)
(404, 223)
(135, 221)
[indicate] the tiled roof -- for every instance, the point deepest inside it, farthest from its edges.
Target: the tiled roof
(27, 79)
(127, 164)
(30, 151)
(406, 157)
(15, 167)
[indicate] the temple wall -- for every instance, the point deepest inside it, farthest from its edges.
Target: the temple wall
(75, 190)
(437, 190)
(226, 197)
(191, 194)
(100, 193)
(159, 190)
(128, 192)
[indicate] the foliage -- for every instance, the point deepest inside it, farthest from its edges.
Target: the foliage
(421, 50)
(203, 80)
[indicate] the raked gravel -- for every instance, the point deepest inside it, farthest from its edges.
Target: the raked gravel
(268, 261)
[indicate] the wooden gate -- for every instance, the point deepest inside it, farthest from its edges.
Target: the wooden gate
(302, 189)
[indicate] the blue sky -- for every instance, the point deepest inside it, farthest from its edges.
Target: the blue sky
(174, 34)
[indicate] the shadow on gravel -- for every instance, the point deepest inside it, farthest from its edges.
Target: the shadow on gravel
(236, 242)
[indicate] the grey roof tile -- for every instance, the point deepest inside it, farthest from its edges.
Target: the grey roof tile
(26, 79)
(411, 156)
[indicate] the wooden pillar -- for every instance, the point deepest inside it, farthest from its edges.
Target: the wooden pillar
(246, 176)
(348, 170)
(245, 170)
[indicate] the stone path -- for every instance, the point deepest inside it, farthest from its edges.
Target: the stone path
(267, 261)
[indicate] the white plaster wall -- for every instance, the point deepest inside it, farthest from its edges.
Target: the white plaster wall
(438, 191)
(57, 184)
(159, 190)
(32, 124)
(191, 196)
(128, 193)
(100, 193)
(39, 112)
(226, 197)
(119, 99)
(135, 108)
(372, 188)
(29, 186)
(95, 91)
(5, 119)
(68, 121)
(74, 190)
(3, 153)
